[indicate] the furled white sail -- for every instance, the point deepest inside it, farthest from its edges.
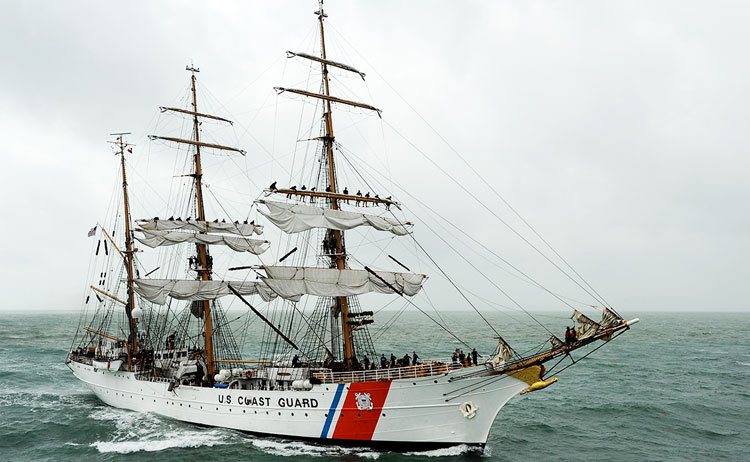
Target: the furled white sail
(503, 353)
(295, 218)
(242, 229)
(609, 318)
(293, 281)
(157, 290)
(238, 244)
(586, 326)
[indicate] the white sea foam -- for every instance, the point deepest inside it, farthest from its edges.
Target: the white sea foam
(140, 431)
(743, 364)
(286, 448)
(451, 451)
(175, 439)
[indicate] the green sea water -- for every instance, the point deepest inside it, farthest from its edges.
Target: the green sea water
(674, 387)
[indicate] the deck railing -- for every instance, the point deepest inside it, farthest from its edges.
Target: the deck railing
(427, 369)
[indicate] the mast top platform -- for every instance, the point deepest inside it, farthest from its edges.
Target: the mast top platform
(320, 12)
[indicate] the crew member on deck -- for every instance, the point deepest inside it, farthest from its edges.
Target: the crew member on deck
(171, 340)
(414, 358)
(366, 362)
(474, 355)
(383, 361)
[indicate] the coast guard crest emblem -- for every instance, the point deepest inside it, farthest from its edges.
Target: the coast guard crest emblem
(364, 401)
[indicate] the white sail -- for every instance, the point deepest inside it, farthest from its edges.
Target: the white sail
(238, 244)
(295, 218)
(242, 229)
(157, 290)
(293, 281)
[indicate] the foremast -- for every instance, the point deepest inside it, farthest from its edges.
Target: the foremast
(291, 219)
(339, 258)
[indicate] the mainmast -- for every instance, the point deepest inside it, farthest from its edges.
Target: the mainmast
(204, 268)
(203, 263)
(340, 255)
(129, 305)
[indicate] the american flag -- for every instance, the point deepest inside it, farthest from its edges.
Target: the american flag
(92, 231)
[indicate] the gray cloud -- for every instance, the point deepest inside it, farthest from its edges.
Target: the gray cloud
(616, 129)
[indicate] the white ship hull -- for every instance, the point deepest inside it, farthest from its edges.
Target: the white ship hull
(409, 412)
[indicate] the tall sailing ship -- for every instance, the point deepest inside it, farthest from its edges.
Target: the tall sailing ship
(159, 340)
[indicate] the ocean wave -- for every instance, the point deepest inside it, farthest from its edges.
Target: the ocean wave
(42, 400)
(743, 364)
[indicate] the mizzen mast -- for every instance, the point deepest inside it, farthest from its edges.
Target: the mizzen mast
(132, 343)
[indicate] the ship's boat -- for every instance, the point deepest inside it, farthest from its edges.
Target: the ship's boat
(158, 339)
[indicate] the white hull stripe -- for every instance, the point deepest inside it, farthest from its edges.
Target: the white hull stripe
(332, 411)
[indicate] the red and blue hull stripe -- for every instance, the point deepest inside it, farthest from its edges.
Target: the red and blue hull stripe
(355, 411)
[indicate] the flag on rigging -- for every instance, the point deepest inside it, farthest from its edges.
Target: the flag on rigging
(92, 231)
(130, 150)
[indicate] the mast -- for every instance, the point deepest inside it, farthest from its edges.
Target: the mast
(204, 270)
(340, 257)
(129, 305)
(202, 264)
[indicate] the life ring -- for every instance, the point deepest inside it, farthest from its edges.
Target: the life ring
(249, 374)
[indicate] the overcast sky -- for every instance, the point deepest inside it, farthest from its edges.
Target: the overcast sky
(618, 129)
